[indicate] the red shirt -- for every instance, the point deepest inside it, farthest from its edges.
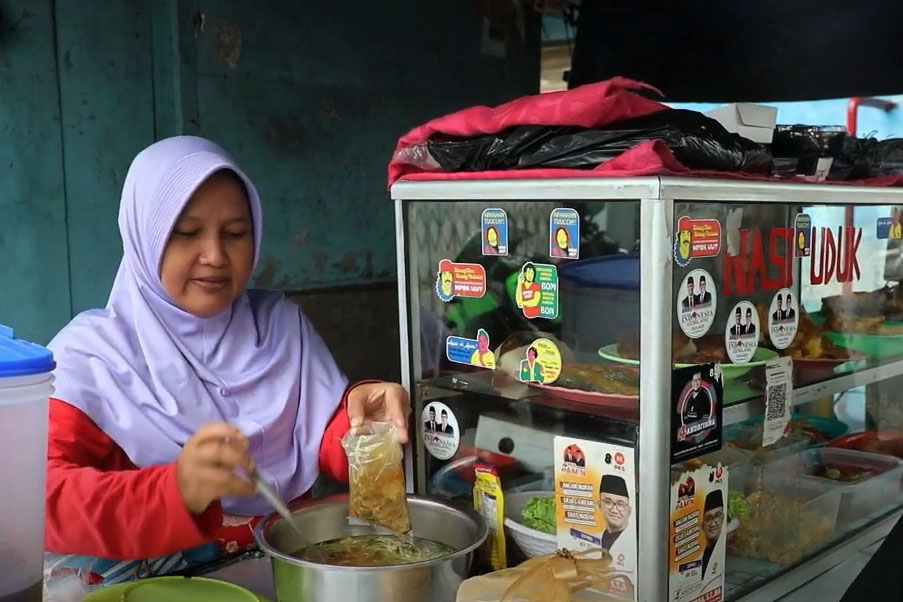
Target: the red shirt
(528, 292)
(99, 504)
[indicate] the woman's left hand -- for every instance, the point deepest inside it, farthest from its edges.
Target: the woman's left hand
(380, 402)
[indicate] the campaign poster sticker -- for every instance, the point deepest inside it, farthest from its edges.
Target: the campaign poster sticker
(741, 334)
(472, 352)
(803, 226)
(595, 505)
(536, 293)
(542, 364)
(783, 318)
(697, 535)
(696, 304)
(460, 280)
(889, 228)
(696, 238)
(441, 433)
(696, 410)
(494, 225)
(564, 234)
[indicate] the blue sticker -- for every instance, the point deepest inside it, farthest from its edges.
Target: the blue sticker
(803, 243)
(585, 537)
(472, 352)
(495, 232)
(564, 234)
(884, 224)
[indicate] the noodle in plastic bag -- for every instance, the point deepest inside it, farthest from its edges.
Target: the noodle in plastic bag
(376, 477)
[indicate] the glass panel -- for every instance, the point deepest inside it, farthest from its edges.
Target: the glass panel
(476, 337)
(826, 301)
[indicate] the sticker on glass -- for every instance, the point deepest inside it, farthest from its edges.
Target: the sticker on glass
(441, 434)
(542, 364)
(696, 238)
(778, 399)
(890, 228)
(803, 226)
(741, 335)
(696, 304)
(495, 232)
(460, 280)
(783, 319)
(537, 291)
(473, 352)
(564, 234)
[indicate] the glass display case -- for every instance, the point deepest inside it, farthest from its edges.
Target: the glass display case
(536, 309)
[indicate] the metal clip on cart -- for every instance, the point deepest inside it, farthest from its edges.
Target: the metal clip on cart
(827, 488)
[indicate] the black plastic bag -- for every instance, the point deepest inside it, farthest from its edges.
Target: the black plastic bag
(697, 141)
(862, 158)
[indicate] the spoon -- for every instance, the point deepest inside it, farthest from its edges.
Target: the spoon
(266, 490)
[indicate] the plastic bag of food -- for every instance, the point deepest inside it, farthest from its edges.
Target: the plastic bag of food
(376, 477)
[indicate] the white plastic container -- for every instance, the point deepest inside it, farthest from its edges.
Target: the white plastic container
(859, 497)
(26, 383)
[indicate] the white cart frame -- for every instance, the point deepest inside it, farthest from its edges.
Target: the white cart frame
(657, 197)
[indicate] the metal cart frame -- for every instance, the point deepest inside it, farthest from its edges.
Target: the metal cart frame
(657, 197)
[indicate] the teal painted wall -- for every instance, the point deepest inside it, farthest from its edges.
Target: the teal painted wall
(310, 97)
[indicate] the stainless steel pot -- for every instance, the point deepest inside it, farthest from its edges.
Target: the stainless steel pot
(321, 520)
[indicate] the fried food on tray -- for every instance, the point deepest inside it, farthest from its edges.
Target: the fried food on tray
(598, 378)
(864, 312)
(810, 341)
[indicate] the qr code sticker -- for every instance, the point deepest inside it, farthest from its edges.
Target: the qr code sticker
(777, 402)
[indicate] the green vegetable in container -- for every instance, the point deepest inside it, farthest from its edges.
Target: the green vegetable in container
(539, 514)
(737, 507)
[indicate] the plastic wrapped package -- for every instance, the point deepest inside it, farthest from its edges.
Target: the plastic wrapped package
(559, 577)
(697, 141)
(376, 477)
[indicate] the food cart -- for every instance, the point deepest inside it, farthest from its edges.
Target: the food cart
(537, 312)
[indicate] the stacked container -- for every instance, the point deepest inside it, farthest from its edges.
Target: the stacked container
(26, 383)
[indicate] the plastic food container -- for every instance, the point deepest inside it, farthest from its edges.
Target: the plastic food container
(532, 542)
(867, 482)
(748, 439)
(26, 383)
(611, 282)
(789, 519)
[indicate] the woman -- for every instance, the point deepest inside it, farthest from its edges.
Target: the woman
(528, 294)
(561, 243)
(166, 398)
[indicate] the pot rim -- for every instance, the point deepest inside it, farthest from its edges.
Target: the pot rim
(273, 553)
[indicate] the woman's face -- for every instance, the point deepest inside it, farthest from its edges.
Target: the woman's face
(210, 252)
(561, 237)
(492, 237)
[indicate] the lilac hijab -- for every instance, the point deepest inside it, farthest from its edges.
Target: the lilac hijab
(150, 374)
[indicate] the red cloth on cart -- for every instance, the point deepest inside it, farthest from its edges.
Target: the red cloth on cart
(588, 106)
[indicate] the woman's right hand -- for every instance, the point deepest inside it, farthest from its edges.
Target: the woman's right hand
(206, 468)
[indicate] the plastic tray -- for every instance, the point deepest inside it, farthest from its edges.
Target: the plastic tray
(790, 519)
(861, 497)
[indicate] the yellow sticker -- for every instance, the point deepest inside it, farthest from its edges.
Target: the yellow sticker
(542, 364)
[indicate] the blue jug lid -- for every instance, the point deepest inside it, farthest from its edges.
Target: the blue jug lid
(21, 358)
(611, 271)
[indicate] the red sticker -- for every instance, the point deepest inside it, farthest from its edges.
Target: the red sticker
(696, 238)
(460, 280)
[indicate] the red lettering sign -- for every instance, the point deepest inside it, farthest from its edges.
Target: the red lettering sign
(748, 270)
(835, 257)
